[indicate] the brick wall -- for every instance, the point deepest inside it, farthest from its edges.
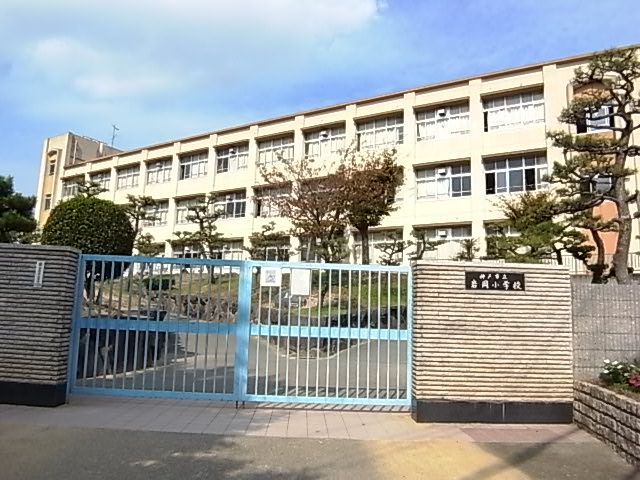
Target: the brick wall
(491, 355)
(606, 323)
(613, 418)
(35, 323)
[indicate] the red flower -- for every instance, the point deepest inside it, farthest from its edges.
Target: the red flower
(635, 380)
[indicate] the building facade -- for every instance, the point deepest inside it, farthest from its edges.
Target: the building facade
(462, 143)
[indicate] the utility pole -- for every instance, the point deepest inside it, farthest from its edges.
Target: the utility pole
(113, 133)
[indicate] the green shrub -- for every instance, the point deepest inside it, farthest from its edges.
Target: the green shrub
(618, 373)
(91, 225)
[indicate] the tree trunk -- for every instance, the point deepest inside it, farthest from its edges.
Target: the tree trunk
(364, 237)
(597, 269)
(558, 256)
(620, 263)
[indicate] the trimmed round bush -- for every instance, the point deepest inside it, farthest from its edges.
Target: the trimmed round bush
(91, 225)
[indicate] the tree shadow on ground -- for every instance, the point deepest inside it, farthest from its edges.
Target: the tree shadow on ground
(556, 458)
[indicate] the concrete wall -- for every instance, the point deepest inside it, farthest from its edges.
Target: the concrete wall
(613, 418)
(606, 323)
(492, 356)
(35, 323)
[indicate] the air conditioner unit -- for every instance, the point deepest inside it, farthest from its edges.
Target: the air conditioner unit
(324, 133)
(441, 112)
(442, 171)
(232, 151)
(443, 233)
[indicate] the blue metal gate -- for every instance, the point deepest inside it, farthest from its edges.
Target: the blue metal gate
(242, 330)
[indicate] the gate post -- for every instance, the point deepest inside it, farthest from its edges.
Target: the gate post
(243, 322)
(37, 292)
(492, 343)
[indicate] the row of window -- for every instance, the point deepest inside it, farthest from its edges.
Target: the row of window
(500, 112)
(233, 249)
(506, 175)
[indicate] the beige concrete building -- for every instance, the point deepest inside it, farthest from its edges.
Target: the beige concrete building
(462, 142)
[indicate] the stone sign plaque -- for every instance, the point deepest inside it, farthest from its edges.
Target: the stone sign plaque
(488, 280)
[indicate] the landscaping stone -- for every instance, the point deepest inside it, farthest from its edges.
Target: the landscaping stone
(609, 416)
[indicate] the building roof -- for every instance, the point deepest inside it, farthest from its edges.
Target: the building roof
(384, 96)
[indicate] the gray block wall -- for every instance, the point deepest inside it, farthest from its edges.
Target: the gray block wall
(35, 323)
(606, 325)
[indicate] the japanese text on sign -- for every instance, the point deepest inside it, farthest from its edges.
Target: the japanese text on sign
(512, 282)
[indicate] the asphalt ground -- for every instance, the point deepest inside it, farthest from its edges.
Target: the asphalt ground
(48, 452)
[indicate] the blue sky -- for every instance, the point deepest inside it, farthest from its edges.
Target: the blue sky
(161, 69)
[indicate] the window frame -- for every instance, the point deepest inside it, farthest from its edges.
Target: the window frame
(161, 210)
(498, 106)
(193, 162)
(70, 186)
(379, 237)
(449, 119)
(183, 204)
(130, 174)
(164, 171)
(47, 202)
(426, 180)
(267, 149)
(332, 143)
(224, 200)
(104, 181)
(380, 132)
(262, 201)
(502, 169)
(238, 161)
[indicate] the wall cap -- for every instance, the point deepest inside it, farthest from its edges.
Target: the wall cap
(51, 248)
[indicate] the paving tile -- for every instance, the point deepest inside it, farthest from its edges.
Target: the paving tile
(259, 423)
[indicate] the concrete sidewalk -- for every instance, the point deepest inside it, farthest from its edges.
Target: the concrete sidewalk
(102, 437)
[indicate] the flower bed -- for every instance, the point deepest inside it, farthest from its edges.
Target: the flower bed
(609, 416)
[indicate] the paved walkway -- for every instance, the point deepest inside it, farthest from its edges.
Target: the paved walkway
(269, 420)
(104, 437)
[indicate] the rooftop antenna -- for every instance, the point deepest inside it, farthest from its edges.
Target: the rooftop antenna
(113, 133)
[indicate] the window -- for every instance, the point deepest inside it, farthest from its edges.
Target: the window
(157, 214)
(515, 174)
(443, 122)
(232, 159)
(229, 250)
(52, 167)
(382, 132)
(182, 208)
(446, 181)
(194, 165)
(275, 149)
(47, 202)
(159, 172)
(231, 205)
(70, 187)
(279, 252)
(325, 142)
(513, 111)
(128, 177)
(187, 251)
(264, 201)
(376, 240)
(493, 229)
(309, 250)
(102, 178)
(598, 120)
(446, 233)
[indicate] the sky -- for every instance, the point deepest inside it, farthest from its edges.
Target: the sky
(164, 69)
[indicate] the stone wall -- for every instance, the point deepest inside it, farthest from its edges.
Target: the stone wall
(492, 356)
(606, 324)
(35, 323)
(613, 418)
